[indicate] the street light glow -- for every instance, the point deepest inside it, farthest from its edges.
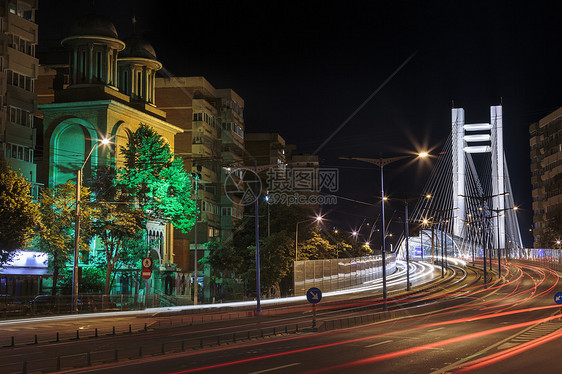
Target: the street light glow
(423, 154)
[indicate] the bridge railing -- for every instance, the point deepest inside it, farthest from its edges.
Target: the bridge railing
(551, 258)
(338, 274)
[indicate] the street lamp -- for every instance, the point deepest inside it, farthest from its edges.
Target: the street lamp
(497, 211)
(79, 173)
(482, 199)
(381, 162)
(317, 219)
(195, 281)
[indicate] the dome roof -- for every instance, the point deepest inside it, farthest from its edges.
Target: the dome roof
(135, 46)
(93, 24)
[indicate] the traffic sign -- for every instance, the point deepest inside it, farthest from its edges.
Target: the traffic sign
(558, 298)
(147, 263)
(146, 273)
(314, 295)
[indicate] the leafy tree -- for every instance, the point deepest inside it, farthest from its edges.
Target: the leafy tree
(316, 248)
(117, 222)
(156, 179)
(18, 213)
(276, 257)
(57, 210)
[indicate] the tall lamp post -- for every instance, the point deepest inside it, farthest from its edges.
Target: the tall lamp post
(195, 281)
(381, 163)
(79, 174)
(482, 199)
(497, 211)
(317, 219)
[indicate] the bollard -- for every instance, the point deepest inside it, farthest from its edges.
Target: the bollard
(140, 351)
(96, 333)
(113, 330)
(116, 355)
(248, 335)
(285, 329)
(183, 345)
(35, 342)
(218, 340)
(201, 343)
(14, 341)
(261, 333)
(57, 337)
(234, 337)
(163, 350)
(89, 359)
(145, 327)
(274, 332)
(77, 334)
(297, 328)
(130, 329)
(24, 368)
(58, 363)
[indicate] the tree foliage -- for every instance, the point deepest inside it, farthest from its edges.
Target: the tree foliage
(117, 221)
(156, 179)
(57, 211)
(18, 213)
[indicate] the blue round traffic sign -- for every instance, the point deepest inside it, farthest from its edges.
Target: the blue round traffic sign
(558, 298)
(313, 295)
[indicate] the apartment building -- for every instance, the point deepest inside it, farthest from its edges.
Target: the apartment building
(546, 172)
(18, 72)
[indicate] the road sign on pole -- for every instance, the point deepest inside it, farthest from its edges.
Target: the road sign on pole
(146, 273)
(147, 263)
(558, 298)
(313, 295)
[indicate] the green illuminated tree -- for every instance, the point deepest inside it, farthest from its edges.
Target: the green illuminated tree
(117, 222)
(57, 209)
(156, 179)
(18, 213)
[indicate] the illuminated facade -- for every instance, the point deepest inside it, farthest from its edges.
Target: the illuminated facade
(211, 145)
(18, 72)
(546, 171)
(110, 90)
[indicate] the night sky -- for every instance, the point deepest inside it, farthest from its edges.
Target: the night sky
(304, 67)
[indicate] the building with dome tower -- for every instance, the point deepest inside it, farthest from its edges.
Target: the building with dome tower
(109, 89)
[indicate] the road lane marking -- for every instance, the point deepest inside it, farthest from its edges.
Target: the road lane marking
(276, 368)
(437, 329)
(379, 343)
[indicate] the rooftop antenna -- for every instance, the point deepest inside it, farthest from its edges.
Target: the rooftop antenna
(501, 100)
(453, 104)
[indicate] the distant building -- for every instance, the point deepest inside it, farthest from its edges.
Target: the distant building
(546, 171)
(212, 146)
(266, 148)
(18, 72)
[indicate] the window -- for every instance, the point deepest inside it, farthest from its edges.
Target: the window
(20, 116)
(139, 83)
(98, 65)
(19, 152)
(125, 87)
(83, 65)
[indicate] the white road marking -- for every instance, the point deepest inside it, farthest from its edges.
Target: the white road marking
(276, 368)
(437, 329)
(379, 343)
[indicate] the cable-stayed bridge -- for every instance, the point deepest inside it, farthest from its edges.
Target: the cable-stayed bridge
(467, 204)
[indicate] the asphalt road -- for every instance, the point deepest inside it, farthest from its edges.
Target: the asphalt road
(512, 326)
